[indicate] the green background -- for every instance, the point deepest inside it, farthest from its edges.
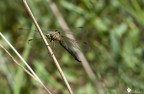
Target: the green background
(113, 30)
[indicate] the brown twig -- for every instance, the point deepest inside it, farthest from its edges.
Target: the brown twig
(85, 63)
(48, 47)
(15, 61)
(33, 73)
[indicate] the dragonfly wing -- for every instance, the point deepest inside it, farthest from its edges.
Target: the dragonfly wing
(78, 44)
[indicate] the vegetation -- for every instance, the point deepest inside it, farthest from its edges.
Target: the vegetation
(113, 29)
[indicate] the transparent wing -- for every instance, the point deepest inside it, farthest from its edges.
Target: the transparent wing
(78, 44)
(33, 41)
(79, 33)
(75, 30)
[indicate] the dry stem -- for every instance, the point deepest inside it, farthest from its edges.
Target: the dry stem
(33, 73)
(48, 47)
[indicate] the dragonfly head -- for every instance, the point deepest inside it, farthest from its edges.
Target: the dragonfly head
(48, 36)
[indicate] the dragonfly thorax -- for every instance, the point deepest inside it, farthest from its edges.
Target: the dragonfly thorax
(52, 36)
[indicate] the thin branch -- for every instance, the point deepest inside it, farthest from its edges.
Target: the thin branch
(36, 77)
(15, 61)
(48, 47)
(85, 63)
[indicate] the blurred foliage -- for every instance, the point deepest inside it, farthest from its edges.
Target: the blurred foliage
(113, 29)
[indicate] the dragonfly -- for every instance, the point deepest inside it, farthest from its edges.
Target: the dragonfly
(55, 35)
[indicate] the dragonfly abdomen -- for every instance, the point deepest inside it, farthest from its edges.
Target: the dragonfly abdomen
(69, 50)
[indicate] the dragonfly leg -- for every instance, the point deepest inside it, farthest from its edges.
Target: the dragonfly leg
(53, 45)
